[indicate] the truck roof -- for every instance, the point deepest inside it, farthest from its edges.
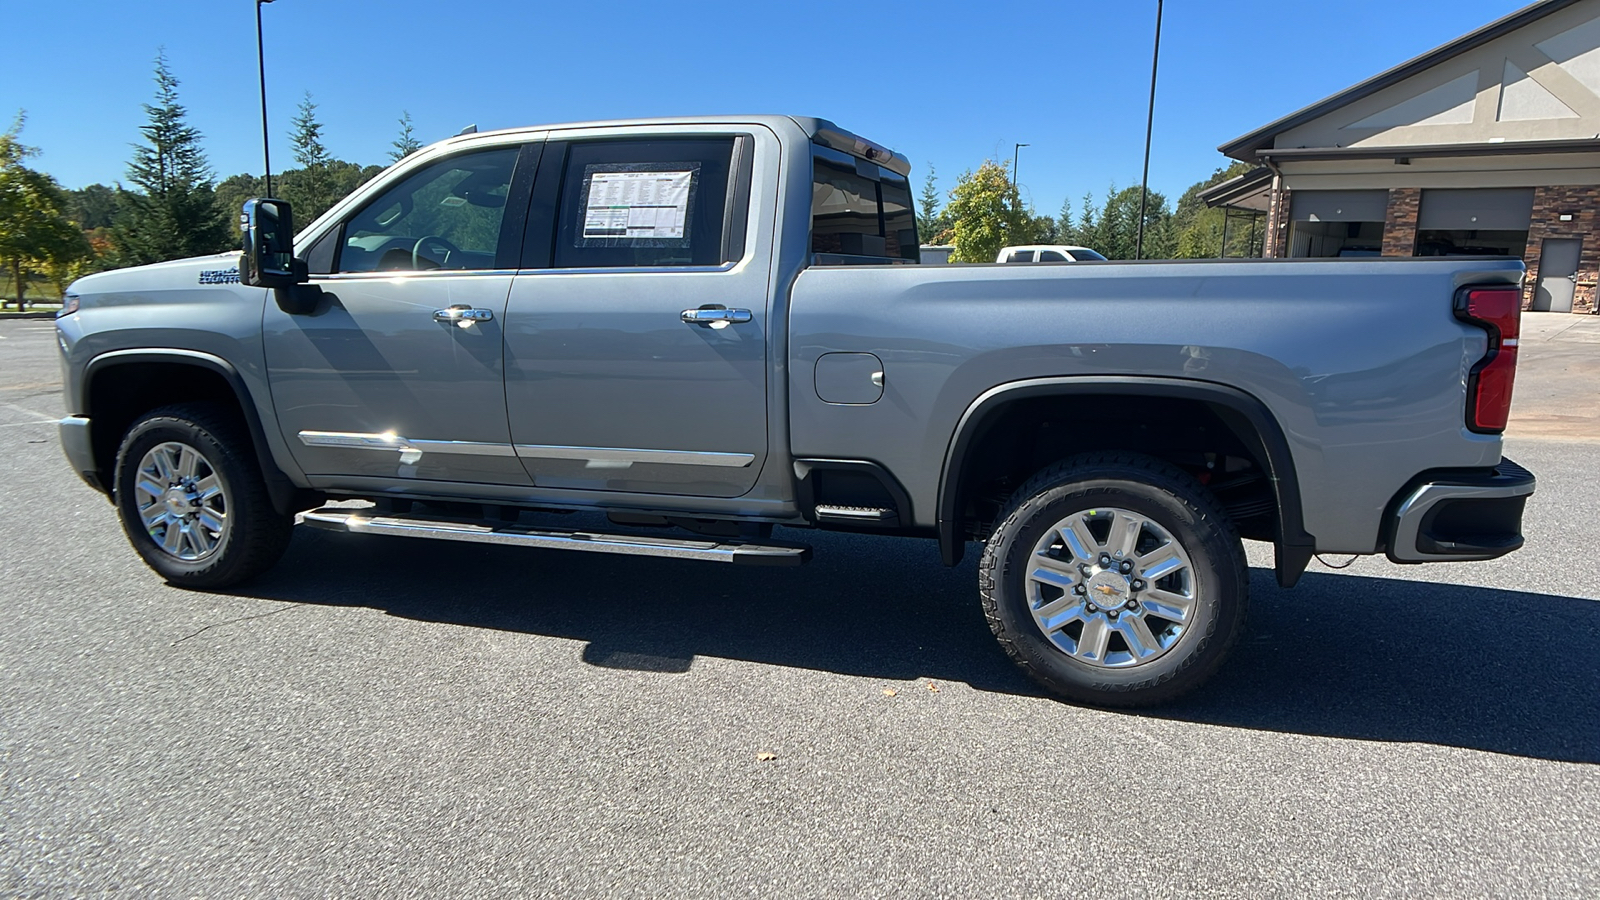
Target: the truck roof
(815, 129)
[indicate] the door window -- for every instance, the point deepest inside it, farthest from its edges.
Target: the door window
(650, 203)
(449, 215)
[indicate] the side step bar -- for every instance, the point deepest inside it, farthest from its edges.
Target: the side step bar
(364, 521)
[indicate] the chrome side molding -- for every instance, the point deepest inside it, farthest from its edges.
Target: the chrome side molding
(410, 451)
(594, 457)
(622, 457)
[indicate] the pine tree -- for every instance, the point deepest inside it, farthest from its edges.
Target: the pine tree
(407, 143)
(931, 221)
(171, 212)
(315, 190)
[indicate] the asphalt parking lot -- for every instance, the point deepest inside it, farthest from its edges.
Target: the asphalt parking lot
(384, 716)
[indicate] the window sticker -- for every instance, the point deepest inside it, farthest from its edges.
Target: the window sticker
(637, 204)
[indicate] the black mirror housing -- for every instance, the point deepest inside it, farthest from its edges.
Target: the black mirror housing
(268, 258)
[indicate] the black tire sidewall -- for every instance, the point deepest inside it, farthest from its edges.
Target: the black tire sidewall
(159, 428)
(1214, 554)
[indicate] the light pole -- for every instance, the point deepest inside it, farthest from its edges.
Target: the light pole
(1149, 125)
(1016, 187)
(261, 65)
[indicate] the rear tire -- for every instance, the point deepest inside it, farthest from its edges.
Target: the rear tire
(1114, 579)
(192, 498)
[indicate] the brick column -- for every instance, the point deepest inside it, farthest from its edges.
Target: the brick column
(1582, 203)
(1400, 222)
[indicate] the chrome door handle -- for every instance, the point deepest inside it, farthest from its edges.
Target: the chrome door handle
(462, 315)
(716, 316)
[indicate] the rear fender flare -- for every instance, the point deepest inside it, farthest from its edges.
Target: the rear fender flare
(1250, 419)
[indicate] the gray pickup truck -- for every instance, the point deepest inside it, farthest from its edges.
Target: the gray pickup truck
(705, 328)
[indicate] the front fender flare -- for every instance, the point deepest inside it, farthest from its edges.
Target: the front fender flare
(280, 488)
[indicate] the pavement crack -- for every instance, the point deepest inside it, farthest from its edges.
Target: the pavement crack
(204, 628)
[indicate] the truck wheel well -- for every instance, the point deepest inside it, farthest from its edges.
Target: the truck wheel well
(1210, 441)
(120, 394)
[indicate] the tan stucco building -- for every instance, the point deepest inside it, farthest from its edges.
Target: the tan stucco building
(1489, 144)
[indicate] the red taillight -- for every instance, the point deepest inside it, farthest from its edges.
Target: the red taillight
(1497, 310)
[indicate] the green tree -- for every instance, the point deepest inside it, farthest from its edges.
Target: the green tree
(1067, 230)
(1112, 227)
(1199, 228)
(172, 212)
(93, 207)
(931, 219)
(1043, 229)
(34, 230)
(336, 178)
(407, 143)
(312, 192)
(985, 214)
(233, 191)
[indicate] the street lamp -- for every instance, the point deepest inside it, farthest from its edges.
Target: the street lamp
(1016, 187)
(261, 65)
(1149, 125)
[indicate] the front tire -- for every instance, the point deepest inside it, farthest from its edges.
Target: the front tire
(192, 498)
(1114, 579)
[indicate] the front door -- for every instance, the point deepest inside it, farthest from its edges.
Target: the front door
(1558, 274)
(398, 373)
(636, 341)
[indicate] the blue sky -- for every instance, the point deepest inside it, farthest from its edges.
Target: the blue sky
(946, 83)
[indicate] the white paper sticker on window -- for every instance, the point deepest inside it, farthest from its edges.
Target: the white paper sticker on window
(637, 205)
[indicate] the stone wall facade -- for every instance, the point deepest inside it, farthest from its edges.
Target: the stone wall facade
(1582, 204)
(1275, 243)
(1400, 221)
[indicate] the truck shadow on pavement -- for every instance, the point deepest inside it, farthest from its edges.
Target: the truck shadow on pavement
(1340, 656)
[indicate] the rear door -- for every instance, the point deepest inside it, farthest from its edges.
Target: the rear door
(636, 333)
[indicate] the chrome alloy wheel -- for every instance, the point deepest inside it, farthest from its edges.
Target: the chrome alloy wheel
(181, 501)
(1111, 588)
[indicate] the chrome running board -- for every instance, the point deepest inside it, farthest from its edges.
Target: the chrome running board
(365, 521)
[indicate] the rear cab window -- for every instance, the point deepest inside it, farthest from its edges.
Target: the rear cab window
(861, 212)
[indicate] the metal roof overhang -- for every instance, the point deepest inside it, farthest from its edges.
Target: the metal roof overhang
(1432, 151)
(1248, 191)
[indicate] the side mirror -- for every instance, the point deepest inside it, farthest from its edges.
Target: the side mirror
(268, 259)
